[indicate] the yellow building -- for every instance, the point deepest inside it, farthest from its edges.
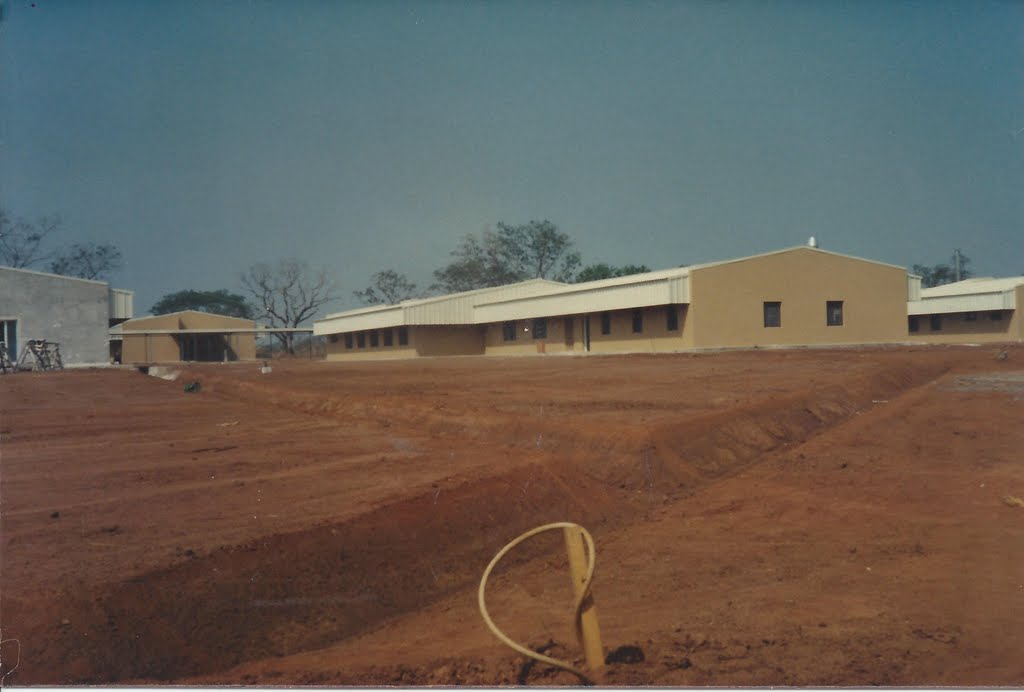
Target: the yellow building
(189, 335)
(978, 310)
(797, 296)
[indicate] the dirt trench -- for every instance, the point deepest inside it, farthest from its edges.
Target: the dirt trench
(288, 593)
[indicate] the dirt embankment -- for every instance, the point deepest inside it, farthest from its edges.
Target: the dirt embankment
(607, 462)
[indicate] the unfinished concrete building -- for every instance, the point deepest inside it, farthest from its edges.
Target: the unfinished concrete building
(75, 313)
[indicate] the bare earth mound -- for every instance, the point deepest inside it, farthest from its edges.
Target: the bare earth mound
(832, 517)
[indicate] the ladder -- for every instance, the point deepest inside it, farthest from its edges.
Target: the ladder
(40, 354)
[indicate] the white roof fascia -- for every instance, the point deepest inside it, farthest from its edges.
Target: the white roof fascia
(973, 286)
(622, 293)
(980, 302)
(453, 308)
(540, 284)
(358, 320)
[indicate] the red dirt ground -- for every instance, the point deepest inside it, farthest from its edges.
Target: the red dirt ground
(799, 517)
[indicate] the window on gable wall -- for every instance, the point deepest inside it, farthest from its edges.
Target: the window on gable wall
(772, 313)
(834, 313)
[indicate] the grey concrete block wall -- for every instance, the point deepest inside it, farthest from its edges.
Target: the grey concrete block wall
(73, 312)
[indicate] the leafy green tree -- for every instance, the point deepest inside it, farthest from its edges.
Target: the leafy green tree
(219, 302)
(511, 253)
(595, 272)
(387, 287)
(944, 273)
(88, 261)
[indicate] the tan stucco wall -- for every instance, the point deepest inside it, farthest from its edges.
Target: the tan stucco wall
(525, 343)
(336, 349)
(458, 340)
(153, 348)
(727, 300)
(655, 336)
(621, 339)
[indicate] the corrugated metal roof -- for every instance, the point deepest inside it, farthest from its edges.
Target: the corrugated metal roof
(620, 293)
(454, 308)
(980, 302)
(970, 295)
(973, 286)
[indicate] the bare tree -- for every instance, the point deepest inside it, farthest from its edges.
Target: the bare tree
(88, 261)
(288, 293)
(387, 287)
(22, 243)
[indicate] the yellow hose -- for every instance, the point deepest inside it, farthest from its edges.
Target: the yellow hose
(577, 611)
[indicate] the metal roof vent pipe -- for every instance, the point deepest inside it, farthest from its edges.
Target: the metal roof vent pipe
(812, 242)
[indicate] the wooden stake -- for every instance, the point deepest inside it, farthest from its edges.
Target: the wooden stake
(592, 648)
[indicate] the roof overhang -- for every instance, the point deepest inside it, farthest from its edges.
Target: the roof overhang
(595, 296)
(979, 302)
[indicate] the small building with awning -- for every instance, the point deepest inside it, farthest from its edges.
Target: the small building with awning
(188, 335)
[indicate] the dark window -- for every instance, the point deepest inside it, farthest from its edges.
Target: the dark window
(9, 335)
(834, 313)
(333, 338)
(995, 315)
(403, 336)
(606, 323)
(638, 321)
(772, 313)
(970, 317)
(374, 339)
(389, 337)
(348, 341)
(672, 318)
(936, 322)
(508, 331)
(540, 328)
(361, 339)
(913, 324)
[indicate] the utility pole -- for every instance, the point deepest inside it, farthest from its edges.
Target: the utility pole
(956, 261)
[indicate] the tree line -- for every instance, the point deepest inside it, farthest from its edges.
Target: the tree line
(508, 254)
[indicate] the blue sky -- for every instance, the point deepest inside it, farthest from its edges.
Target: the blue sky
(202, 137)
